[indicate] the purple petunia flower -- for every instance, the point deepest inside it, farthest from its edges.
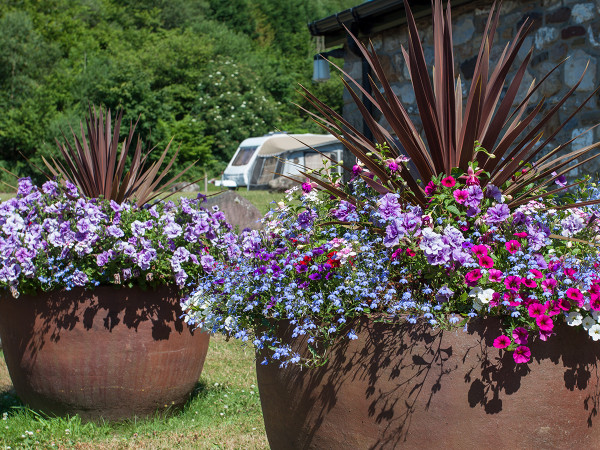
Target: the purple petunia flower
(388, 206)
(80, 278)
(475, 196)
(497, 214)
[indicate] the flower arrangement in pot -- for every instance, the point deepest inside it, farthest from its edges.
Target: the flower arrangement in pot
(449, 294)
(93, 271)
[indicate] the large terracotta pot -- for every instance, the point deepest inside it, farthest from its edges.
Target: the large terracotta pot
(406, 386)
(111, 352)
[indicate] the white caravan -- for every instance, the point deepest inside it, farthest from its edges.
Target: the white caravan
(260, 160)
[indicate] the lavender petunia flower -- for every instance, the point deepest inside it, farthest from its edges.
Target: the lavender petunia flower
(388, 206)
(80, 278)
(493, 192)
(497, 214)
(475, 196)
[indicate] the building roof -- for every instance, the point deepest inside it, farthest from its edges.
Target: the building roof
(369, 18)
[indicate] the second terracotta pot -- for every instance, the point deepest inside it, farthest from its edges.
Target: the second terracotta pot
(408, 386)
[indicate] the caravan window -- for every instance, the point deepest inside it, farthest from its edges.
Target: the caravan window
(244, 156)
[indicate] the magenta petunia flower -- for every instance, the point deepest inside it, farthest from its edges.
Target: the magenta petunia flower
(512, 282)
(536, 309)
(595, 302)
(549, 284)
(512, 246)
(563, 304)
(486, 261)
(575, 295)
(544, 322)
(502, 341)
(472, 277)
(449, 181)
(495, 275)
(522, 354)
(480, 250)
(570, 272)
(430, 189)
(522, 234)
(544, 335)
(520, 335)
(461, 196)
(392, 165)
(528, 283)
(536, 273)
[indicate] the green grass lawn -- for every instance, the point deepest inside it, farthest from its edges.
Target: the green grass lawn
(223, 413)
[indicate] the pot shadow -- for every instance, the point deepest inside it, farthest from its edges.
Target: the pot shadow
(397, 372)
(45, 317)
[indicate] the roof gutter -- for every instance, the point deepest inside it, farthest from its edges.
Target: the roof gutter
(369, 18)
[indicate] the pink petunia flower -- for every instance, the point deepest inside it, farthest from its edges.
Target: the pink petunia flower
(520, 335)
(472, 277)
(480, 250)
(552, 308)
(528, 283)
(495, 275)
(536, 273)
(495, 301)
(449, 181)
(544, 322)
(570, 272)
(549, 284)
(536, 310)
(486, 261)
(430, 189)
(501, 341)
(595, 302)
(512, 282)
(512, 246)
(461, 196)
(522, 354)
(522, 234)
(563, 304)
(545, 334)
(575, 295)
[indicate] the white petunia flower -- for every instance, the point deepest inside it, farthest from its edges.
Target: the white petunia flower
(594, 332)
(588, 322)
(486, 296)
(574, 319)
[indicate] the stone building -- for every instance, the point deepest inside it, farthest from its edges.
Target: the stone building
(561, 29)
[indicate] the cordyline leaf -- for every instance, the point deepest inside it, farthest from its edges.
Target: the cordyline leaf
(96, 165)
(512, 135)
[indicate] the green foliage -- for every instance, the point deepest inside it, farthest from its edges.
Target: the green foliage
(155, 59)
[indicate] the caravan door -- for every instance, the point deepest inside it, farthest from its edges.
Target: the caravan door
(294, 163)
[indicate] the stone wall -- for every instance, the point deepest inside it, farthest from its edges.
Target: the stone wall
(561, 29)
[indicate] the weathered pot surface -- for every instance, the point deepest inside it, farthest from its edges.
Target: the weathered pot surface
(113, 353)
(408, 386)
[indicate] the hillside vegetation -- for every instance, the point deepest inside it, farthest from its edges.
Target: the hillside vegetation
(207, 72)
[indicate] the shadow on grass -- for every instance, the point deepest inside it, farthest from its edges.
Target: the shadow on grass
(10, 403)
(9, 400)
